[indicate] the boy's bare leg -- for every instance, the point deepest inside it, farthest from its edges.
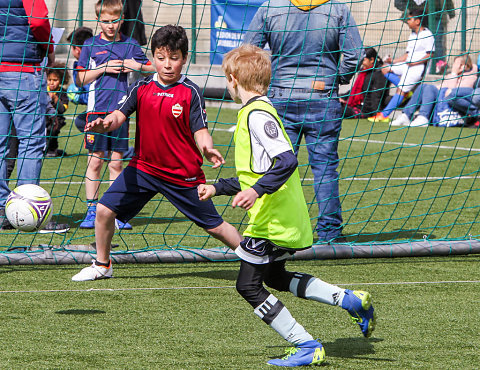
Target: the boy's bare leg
(92, 178)
(104, 230)
(227, 234)
(115, 166)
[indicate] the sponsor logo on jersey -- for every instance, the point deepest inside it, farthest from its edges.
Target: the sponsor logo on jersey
(189, 179)
(177, 110)
(90, 138)
(168, 95)
(271, 130)
(101, 52)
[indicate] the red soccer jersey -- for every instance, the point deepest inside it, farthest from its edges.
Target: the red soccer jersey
(167, 118)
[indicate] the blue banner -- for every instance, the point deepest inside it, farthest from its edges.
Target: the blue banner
(229, 22)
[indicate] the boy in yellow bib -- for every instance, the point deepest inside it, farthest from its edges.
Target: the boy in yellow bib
(268, 187)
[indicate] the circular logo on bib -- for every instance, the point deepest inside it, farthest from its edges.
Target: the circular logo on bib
(271, 129)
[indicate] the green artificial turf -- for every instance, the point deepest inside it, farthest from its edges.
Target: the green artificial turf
(189, 316)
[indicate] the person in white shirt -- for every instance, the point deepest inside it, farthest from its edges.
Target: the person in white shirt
(406, 71)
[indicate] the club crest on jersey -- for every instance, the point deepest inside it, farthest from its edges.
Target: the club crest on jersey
(90, 138)
(271, 129)
(177, 110)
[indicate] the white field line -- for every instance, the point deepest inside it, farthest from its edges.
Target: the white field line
(232, 128)
(412, 144)
(224, 287)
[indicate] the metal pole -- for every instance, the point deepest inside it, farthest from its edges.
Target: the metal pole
(464, 26)
(193, 59)
(432, 26)
(80, 13)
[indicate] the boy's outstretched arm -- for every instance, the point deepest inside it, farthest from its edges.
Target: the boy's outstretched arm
(205, 145)
(111, 122)
(284, 165)
(230, 186)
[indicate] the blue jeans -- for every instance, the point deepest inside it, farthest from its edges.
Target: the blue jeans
(476, 96)
(461, 99)
(23, 103)
(424, 99)
(318, 119)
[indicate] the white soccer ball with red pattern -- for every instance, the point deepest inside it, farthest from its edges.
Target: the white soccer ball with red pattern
(29, 207)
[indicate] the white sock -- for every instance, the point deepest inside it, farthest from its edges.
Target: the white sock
(310, 287)
(275, 314)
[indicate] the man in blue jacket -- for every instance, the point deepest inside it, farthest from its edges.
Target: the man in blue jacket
(24, 42)
(315, 47)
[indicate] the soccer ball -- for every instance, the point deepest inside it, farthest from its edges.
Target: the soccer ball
(29, 207)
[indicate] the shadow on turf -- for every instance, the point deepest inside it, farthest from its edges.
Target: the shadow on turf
(79, 312)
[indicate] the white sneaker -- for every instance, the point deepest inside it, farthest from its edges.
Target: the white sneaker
(419, 121)
(94, 272)
(403, 120)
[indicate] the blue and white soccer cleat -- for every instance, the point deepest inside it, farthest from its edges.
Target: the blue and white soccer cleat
(89, 221)
(119, 225)
(307, 353)
(359, 305)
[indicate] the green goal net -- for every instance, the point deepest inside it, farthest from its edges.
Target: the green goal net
(402, 188)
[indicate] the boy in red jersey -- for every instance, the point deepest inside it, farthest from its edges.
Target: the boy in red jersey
(170, 138)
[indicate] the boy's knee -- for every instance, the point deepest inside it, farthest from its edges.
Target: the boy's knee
(115, 166)
(219, 232)
(104, 213)
(251, 292)
(95, 163)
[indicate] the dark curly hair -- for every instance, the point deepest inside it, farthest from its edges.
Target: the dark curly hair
(172, 38)
(61, 71)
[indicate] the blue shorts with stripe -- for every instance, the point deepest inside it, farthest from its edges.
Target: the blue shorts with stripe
(133, 188)
(116, 141)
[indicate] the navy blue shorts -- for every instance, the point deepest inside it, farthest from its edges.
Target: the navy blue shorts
(116, 141)
(133, 188)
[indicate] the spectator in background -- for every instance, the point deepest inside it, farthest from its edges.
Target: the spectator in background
(304, 86)
(476, 96)
(369, 89)
(24, 44)
(78, 94)
(433, 102)
(57, 76)
(466, 100)
(104, 62)
(133, 25)
(443, 9)
(406, 71)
